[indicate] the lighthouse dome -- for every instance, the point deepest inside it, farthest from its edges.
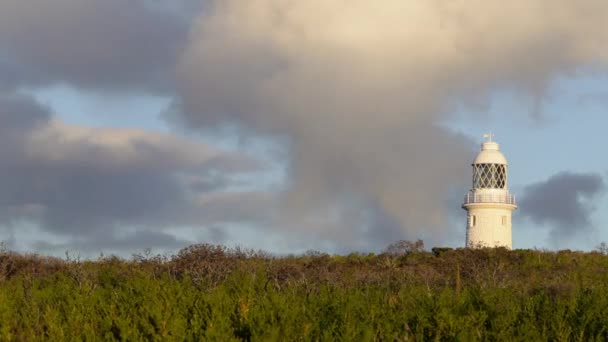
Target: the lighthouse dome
(490, 154)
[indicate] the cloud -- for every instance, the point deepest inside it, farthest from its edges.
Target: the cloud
(110, 44)
(354, 92)
(90, 184)
(92, 246)
(564, 201)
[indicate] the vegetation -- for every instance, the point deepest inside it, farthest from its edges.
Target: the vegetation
(210, 292)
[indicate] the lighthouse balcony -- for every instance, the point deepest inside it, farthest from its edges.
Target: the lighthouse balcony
(502, 198)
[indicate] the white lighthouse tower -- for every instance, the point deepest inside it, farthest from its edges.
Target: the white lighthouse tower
(489, 204)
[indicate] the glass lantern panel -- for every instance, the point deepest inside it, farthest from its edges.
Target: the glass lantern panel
(489, 176)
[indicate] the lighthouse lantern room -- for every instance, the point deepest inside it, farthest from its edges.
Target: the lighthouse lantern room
(489, 204)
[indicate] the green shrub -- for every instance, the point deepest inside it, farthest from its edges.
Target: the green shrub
(214, 293)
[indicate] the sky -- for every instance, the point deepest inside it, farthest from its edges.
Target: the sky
(291, 126)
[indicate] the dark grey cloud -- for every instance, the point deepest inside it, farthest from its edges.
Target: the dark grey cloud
(109, 44)
(564, 201)
(19, 114)
(84, 183)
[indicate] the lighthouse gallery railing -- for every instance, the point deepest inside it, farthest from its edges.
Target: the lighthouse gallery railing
(489, 198)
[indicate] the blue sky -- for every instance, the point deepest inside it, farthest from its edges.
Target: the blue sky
(294, 126)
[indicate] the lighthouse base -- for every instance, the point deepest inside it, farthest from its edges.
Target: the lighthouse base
(489, 226)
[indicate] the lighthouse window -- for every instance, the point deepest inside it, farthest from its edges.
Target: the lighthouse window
(504, 220)
(471, 221)
(489, 176)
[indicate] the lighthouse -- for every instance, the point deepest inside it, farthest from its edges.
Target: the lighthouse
(489, 204)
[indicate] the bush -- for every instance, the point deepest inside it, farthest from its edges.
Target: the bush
(208, 292)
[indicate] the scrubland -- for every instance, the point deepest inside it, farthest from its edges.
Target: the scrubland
(208, 292)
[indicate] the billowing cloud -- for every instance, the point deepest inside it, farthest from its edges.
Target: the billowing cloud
(89, 184)
(564, 202)
(354, 91)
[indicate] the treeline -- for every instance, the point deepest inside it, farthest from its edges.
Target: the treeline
(208, 292)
